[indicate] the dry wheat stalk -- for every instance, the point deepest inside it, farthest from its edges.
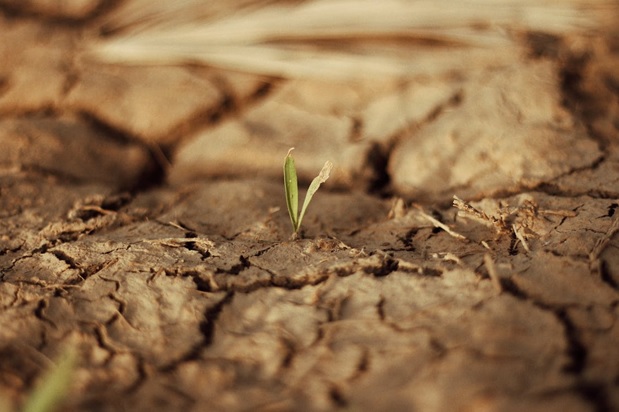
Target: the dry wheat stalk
(299, 39)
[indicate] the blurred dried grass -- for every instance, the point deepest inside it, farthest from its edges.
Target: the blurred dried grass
(336, 38)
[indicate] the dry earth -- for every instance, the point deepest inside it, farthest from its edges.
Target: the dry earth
(143, 222)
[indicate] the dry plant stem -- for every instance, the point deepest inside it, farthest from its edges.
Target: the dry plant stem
(518, 232)
(603, 241)
(498, 223)
(492, 272)
(178, 242)
(441, 225)
(259, 41)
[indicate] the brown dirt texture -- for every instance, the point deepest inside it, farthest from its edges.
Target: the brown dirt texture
(463, 256)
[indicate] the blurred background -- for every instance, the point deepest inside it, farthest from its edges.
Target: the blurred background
(417, 98)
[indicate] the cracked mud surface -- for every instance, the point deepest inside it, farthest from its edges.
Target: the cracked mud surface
(143, 222)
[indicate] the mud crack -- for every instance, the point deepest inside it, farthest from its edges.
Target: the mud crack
(207, 330)
(593, 392)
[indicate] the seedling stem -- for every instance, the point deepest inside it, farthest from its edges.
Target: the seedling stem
(291, 189)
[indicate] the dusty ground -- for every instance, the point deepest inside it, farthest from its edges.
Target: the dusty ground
(143, 222)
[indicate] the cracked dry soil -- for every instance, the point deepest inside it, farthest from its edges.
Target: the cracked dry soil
(179, 286)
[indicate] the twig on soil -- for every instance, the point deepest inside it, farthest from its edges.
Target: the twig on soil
(562, 213)
(94, 208)
(499, 224)
(492, 272)
(448, 257)
(518, 221)
(518, 232)
(441, 225)
(601, 244)
(178, 226)
(398, 209)
(202, 243)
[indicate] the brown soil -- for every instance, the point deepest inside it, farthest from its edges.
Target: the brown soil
(143, 222)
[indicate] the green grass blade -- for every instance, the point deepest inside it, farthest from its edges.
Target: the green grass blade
(318, 180)
(54, 386)
(291, 188)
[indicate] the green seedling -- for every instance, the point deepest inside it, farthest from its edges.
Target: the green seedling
(51, 391)
(291, 188)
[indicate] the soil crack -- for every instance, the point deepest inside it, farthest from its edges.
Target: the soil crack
(207, 330)
(577, 352)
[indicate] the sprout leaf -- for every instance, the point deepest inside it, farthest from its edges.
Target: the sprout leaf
(313, 187)
(291, 189)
